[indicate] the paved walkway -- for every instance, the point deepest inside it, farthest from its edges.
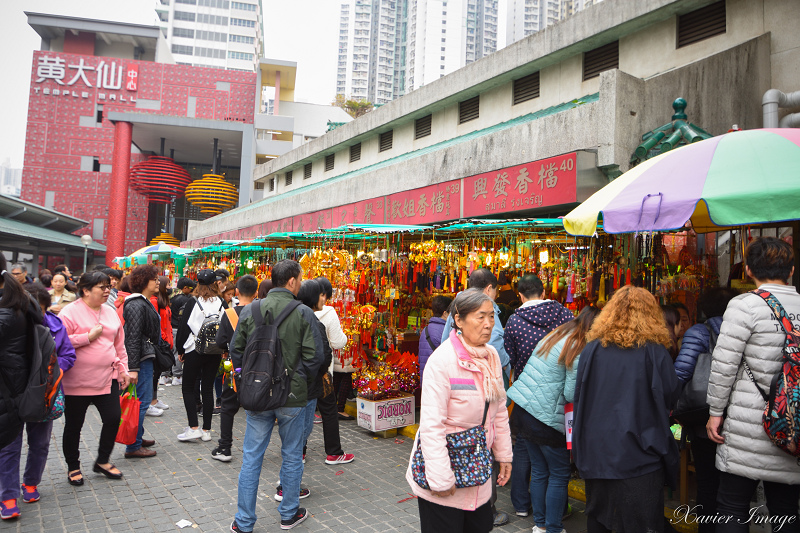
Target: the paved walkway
(184, 482)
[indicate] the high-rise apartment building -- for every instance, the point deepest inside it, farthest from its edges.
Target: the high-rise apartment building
(213, 33)
(390, 47)
(526, 17)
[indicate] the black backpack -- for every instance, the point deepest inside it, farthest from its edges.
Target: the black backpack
(692, 407)
(44, 378)
(205, 342)
(265, 382)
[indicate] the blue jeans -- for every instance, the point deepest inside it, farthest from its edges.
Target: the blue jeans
(38, 448)
(549, 484)
(144, 389)
(291, 428)
(520, 476)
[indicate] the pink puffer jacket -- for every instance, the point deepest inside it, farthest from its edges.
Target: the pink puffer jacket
(452, 401)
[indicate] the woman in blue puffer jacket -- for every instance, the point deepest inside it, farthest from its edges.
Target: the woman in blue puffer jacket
(697, 340)
(540, 392)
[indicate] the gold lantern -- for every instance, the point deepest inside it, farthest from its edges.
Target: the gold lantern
(212, 194)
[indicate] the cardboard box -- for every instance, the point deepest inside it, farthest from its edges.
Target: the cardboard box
(386, 414)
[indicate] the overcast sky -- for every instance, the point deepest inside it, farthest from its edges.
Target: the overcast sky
(305, 31)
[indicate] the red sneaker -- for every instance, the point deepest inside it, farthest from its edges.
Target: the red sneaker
(30, 494)
(340, 459)
(9, 509)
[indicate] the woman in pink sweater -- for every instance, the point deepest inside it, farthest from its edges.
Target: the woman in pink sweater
(101, 362)
(461, 377)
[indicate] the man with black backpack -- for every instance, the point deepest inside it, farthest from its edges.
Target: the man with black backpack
(276, 352)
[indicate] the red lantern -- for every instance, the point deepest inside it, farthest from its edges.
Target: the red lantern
(159, 179)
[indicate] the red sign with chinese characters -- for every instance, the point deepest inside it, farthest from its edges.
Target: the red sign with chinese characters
(132, 77)
(312, 221)
(543, 183)
(365, 212)
(434, 203)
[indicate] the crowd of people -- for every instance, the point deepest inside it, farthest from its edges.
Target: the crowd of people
(486, 385)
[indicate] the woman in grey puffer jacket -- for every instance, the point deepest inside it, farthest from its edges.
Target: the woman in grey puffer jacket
(751, 334)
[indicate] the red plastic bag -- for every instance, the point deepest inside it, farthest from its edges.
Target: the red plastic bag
(129, 421)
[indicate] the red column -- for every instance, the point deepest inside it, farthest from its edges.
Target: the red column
(118, 204)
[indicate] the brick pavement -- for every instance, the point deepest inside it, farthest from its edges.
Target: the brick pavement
(184, 482)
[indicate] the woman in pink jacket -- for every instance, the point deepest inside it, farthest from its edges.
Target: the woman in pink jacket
(101, 361)
(462, 374)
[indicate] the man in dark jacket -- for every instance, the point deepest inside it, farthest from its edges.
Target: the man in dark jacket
(529, 324)
(431, 336)
(301, 347)
(176, 304)
(534, 319)
(142, 333)
(246, 289)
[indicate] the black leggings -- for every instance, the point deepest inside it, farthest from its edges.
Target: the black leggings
(342, 385)
(205, 366)
(435, 518)
(74, 415)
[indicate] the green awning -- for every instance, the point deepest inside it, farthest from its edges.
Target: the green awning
(13, 229)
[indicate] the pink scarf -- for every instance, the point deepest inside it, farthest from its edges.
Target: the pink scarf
(490, 368)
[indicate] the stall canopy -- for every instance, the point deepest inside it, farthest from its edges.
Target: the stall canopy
(740, 178)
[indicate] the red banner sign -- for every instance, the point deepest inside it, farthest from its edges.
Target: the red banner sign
(312, 221)
(542, 183)
(365, 212)
(434, 203)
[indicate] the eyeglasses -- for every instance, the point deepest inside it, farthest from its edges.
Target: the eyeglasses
(104, 287)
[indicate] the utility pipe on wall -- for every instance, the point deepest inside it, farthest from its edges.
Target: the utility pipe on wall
(772, 101)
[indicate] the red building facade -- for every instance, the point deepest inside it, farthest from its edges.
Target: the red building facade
(69, 147)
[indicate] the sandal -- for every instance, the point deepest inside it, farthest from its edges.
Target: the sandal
(73, 480)
(108, 473)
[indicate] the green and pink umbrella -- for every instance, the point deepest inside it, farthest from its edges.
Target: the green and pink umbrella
(736, 179)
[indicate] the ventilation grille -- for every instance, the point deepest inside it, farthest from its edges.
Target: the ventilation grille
(469, 109)
(289, 178)
(385, 142)
(272, 185)
(422, 127)
(701, 24)
(329, 161)
(526, 88)
(600, 59)
(355, 152)
(307, 171)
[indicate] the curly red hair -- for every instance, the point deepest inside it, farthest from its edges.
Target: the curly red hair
(631, 318)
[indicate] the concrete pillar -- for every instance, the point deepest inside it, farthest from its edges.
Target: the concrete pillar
(118, 204)
(276, 107)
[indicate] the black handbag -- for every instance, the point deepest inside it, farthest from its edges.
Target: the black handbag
(165, 359)
(692, 408)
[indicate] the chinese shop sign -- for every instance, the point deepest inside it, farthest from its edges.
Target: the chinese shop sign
(366, 212)
(544, 183)
(434, 203)
(112, 79)
(312, 221)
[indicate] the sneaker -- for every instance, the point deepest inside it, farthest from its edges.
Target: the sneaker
(176, 381)
(236, 529)
(300, 516)
(162, 380)
(199, 408)
(522, 513)
(339, 459)
(216, 411)
(222, 454)
(30, 494)
(317, 419)
(161, 405)
(9, 510)
(190, 434)
(154, 411)
(206, 435)
(537, 529)
(304, 458)
(304, 493)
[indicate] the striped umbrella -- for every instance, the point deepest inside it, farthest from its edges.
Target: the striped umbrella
(736, 179)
